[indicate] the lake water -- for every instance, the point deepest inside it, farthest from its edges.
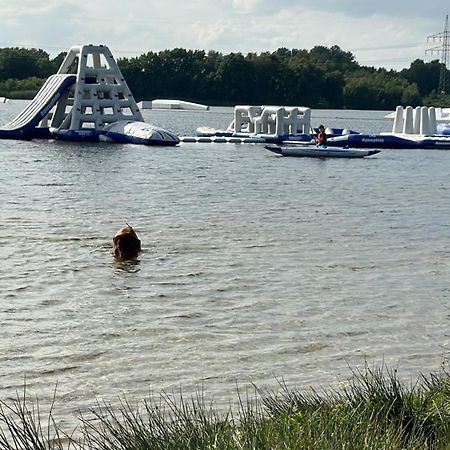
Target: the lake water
(254, 267)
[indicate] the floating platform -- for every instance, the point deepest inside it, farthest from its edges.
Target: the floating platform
(267, 124)
(172, 104)
(394, 141)
(223, 139)
(419, 128)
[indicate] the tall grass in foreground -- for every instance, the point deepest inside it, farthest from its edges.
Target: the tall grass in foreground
(373, 411)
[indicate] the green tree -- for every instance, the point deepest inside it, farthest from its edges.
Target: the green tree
(20, 63)
(436, 99)
(57, 61)
(22, 89)
(234, 74)
(307, 83)
(322, 77)
(333, 59)
(424, 75)
(145, 75)
(379, 89)
(269, 82)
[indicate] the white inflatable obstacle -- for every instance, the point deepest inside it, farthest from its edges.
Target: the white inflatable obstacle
(420, 120)
(271, 120)
(98, 98)
(172, 104)
(414, 128)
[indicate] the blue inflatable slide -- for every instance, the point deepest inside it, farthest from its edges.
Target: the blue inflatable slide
(25, 125)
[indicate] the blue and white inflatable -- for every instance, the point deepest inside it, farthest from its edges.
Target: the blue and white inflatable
(422, 127)
(132, 132)
(95, 104)
(394, 141)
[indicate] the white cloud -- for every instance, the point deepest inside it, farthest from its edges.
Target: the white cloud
(256, 7)
(382, 33)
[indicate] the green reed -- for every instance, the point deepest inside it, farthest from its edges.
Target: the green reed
(374, 410)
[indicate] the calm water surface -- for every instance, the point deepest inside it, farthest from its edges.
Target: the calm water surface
(254, 266)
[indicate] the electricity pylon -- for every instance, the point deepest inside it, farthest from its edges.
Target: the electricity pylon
(443, 50)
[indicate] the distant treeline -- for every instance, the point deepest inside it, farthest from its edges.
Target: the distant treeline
(320, 78)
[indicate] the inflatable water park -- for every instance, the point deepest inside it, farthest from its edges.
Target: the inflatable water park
(419, 128)
(88, 99)
(264, 124)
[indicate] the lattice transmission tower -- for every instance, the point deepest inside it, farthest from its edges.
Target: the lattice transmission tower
(444, 51)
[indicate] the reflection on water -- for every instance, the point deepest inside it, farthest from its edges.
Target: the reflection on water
(253, 267)
(128, 266)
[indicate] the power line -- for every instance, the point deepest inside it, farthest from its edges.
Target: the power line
(387, 47)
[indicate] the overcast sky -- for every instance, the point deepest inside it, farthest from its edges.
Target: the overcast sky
(381, 33)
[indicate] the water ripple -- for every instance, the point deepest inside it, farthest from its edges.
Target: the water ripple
(254, 266)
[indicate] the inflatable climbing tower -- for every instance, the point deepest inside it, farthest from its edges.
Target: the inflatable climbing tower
(100, 95)
(88, 99)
